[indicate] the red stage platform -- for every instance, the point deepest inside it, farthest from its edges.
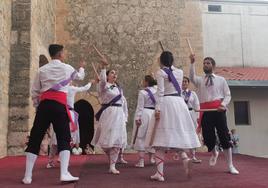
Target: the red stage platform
(92, 170)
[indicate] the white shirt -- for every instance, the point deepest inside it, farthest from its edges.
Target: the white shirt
(144, 101)
(218, 91)
(108, 91)
(164, 86)
(72, 90)
(50, 74)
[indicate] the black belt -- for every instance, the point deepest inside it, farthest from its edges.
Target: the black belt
(151, 108)
(112, 105)
(70, 108)
(173, 94)
(190, 109)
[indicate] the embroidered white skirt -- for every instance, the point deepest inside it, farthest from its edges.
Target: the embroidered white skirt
(139, 145)
(175, 128)
(111, 131)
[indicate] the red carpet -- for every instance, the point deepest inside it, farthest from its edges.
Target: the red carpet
(93, 173)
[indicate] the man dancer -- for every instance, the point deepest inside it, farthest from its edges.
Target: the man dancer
(213, 93)
(49, 95)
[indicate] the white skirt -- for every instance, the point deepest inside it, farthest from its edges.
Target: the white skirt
(194, 117)
(111, 131)
(142, 131)
(175, 128)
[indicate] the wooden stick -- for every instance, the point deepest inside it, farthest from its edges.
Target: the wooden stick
(161, 45)
(207, 110)
(153, 132)
(189, 45)
(95, 70)
(100, 54)
(136, 134)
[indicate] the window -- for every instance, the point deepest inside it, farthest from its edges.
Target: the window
(241, 112)
(214, 8)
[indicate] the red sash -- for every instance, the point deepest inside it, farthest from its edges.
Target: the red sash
(207, 105)
(60, 97)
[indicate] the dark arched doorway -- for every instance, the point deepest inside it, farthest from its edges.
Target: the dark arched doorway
(86, 122)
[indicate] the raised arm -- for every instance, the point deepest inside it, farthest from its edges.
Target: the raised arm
(196, 80)
(103, 77)
(83, 88)
(80, 74)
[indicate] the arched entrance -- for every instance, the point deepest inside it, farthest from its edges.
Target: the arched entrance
(86, 122)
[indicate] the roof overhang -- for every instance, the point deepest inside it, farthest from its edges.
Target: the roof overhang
(248, 83)
(238, 1)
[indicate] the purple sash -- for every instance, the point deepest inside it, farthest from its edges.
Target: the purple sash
(187, 96)
(172, 79)
(150, 94)
(111, 103)
(63, 83)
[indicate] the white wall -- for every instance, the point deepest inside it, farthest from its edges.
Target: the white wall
(237, 36)
(254, 137)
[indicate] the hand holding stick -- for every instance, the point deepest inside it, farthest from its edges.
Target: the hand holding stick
(189, 45)
(95, 70)
(161, 45)
(103, 59)
(138, 123)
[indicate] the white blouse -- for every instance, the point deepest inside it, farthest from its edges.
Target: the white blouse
(108, 91)
(218, 91)
(164, 86)
(144, 101)
(193, 101)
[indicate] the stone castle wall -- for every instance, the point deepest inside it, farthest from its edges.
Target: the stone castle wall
(5, 27)
(33, 28)
(127, 32)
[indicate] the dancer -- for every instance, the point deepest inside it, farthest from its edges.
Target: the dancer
(75, 135)
(49, 94)
(192, 102)
(173, 128)
(213, 93)
(111, 134)
(144, 113)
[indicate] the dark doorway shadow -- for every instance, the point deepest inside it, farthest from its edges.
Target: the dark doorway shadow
(86, 122)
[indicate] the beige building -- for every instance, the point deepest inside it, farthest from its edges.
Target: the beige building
(235, 34)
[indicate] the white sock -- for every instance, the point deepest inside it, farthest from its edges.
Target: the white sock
(214, 152)
(228, 156)
(30, 161)
(52, 153)
(64, 161)
(141, 156)
(159, 158)
(193, 153)
(114, 152)
(183, 155)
